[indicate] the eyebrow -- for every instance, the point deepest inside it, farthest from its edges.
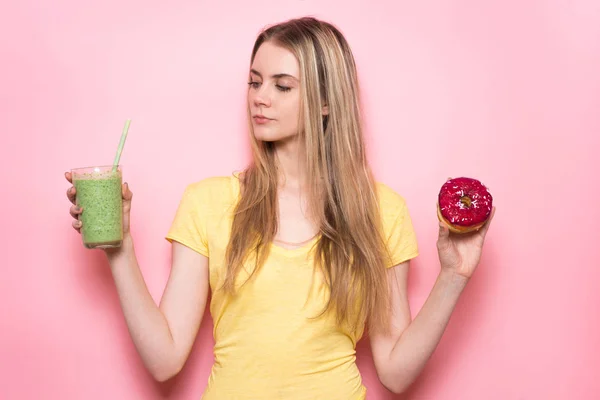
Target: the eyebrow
(276, 76)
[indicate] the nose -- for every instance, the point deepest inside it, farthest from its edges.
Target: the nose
(262, 97)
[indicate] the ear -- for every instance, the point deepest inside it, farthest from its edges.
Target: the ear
(325, 110)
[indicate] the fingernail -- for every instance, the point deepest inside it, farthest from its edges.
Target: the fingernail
(77, 208)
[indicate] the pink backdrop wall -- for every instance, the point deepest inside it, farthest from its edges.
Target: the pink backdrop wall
(507, 92)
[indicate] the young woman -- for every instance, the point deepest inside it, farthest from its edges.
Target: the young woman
(300, 252)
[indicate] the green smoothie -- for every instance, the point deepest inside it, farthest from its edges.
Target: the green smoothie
(98, 192)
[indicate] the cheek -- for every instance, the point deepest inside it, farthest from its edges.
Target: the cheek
(292, 111)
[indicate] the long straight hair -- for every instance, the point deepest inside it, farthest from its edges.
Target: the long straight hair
(350, 252)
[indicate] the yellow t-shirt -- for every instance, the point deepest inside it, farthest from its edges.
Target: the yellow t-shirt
(268, 345)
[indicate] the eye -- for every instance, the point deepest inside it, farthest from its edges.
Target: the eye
(254, 84)
(283, 88)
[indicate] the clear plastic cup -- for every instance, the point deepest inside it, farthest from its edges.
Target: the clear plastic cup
(98, 192)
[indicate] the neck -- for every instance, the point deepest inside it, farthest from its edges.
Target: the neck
(291, 163)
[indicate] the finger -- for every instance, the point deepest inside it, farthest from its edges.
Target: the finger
(69, 177)
(444, 230)
(444, 233)
(77, 225)
(486, 226)
(75, 211)
(127, 193)
(71, 192)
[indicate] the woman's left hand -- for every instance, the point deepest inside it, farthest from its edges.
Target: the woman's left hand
(460, 253)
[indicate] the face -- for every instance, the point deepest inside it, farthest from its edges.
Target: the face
(274, 93)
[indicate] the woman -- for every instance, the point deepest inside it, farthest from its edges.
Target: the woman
(301, 251)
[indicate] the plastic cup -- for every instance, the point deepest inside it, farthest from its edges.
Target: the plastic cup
(99, 194)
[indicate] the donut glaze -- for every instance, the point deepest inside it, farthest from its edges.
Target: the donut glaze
(464, 204)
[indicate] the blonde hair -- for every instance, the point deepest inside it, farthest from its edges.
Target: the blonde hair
(343, 200)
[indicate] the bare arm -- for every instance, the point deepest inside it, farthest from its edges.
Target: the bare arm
(163, 335)
(400, 356)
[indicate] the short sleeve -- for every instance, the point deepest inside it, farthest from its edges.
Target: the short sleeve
(398, 229)
(190, 221)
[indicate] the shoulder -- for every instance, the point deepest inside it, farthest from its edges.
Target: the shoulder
(214, 189)
(212, 184)
(389, 199)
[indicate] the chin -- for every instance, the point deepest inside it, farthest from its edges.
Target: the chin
(267, 135)
(267, 138)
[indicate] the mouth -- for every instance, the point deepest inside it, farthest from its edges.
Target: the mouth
(261, 119)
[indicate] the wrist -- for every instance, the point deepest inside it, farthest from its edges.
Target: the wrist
(453, 279)
(121, 252)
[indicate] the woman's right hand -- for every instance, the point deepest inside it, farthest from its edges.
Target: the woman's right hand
(163, 336)
(76, 211)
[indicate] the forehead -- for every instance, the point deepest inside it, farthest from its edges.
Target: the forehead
(271, 59)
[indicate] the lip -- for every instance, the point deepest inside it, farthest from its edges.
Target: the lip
(261, 119)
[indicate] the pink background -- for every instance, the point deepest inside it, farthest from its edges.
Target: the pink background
(507, 92)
